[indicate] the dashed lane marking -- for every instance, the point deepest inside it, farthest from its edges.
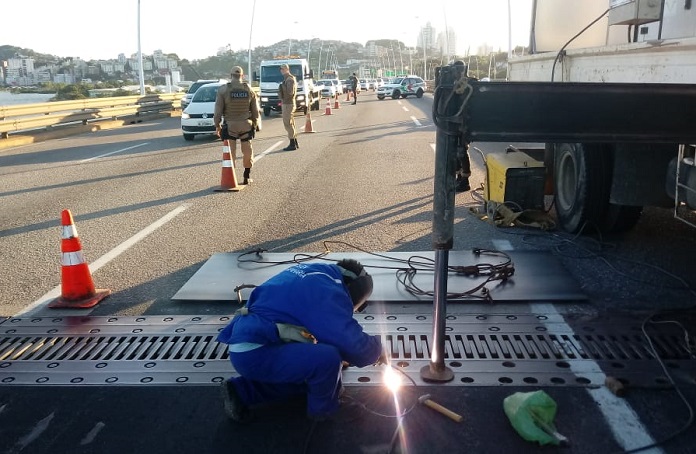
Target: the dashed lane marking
(114, 152)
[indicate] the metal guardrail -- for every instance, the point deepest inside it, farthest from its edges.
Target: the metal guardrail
(30, 117)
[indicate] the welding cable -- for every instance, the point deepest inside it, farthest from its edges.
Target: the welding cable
(561, 52)
(313, 426)
(678, 390)
(296, 259)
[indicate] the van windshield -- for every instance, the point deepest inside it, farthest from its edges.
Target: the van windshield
(272, 73)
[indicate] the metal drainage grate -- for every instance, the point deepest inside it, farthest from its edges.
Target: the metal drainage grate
(483, 350)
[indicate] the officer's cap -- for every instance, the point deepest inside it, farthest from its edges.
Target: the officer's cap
(237, 70)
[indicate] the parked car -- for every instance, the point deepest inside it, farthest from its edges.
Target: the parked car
(372, 84)
(328, 87)
(197, 118)
(347, 84)
(402, 87)
(186, 100)
(364, 84)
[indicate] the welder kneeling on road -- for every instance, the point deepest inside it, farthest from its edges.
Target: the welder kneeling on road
(293, 335)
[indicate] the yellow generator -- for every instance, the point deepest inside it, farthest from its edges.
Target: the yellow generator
(516, 179)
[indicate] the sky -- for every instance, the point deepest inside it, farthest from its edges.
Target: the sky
(90, 30)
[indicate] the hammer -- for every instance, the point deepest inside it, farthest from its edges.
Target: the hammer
(425, 400)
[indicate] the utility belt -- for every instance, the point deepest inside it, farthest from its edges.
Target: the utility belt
(244, 137)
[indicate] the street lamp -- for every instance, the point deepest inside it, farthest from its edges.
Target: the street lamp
(251, 28)
(309, 49)
(140, 57)
(290, 39)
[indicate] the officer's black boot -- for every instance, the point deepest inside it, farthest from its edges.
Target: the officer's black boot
(297, 145)
(247, 180)
(291, 147)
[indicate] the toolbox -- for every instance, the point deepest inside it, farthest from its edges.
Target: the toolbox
(516, 178)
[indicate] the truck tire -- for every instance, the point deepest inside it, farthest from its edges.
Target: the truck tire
(266, 111)
(419, 94)
(582, 180)
(396, 94)
(582, 186)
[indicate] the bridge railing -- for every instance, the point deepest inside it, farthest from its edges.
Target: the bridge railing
(31, 117)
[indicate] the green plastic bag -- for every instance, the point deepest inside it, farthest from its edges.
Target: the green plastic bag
(532, 414)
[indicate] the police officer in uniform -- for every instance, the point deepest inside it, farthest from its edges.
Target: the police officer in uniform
(236, 102)
(286, 92)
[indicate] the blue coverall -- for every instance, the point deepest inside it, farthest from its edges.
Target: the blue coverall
(313, 296)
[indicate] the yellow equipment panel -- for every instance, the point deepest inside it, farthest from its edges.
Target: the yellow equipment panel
(517, 178)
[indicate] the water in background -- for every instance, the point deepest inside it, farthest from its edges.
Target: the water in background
(11, 99)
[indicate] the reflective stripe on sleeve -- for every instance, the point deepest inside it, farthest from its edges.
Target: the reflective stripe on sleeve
(244, 347)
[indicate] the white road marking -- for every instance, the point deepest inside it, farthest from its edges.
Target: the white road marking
(106, 258)
(502, 245)
(92, 434)
(405, 108)
(432, 145)
(415, 120)
(35, 433)
(624, 423)
(114, 152)
(629, 432)
(267, 150)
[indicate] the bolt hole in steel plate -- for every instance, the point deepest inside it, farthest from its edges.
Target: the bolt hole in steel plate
(530, 380)
(402, 364)
(455, 364)
(8, 379)
(557, 381)
(563, 365)
(508, 364)
(364, 379)
(467, 380)
(505, 380)
(583, 380)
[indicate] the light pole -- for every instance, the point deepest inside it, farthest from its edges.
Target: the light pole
(140, 57)
(251, 28)
(290, 40)
(309, 50)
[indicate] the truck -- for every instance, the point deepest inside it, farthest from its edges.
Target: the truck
(644, 47)
(269, 77)
(332, 74)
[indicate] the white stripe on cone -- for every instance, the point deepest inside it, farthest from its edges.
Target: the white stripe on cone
(69, 231)
(72, 258)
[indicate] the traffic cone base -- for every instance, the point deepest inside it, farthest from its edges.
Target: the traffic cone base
(328, 107)
(228, 179)
(84, 303)
(77, 287)
(308, 124)
(337, 105)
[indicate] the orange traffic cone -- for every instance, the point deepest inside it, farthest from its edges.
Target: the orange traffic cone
(308, 123)
(328, 107)
(77, 287)
(337, 105)
(348, 96)
(228, 180)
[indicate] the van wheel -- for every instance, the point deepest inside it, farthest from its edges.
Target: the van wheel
(380, 97)
(266, 111)
(396, 94)
(188, 137)
(419, 94)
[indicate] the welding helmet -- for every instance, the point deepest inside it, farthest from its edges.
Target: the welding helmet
(357, 280)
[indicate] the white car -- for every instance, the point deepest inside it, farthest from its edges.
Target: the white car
(186, 100)
(402, 87)
(364, 84)
(197, 118)
(329, 88)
